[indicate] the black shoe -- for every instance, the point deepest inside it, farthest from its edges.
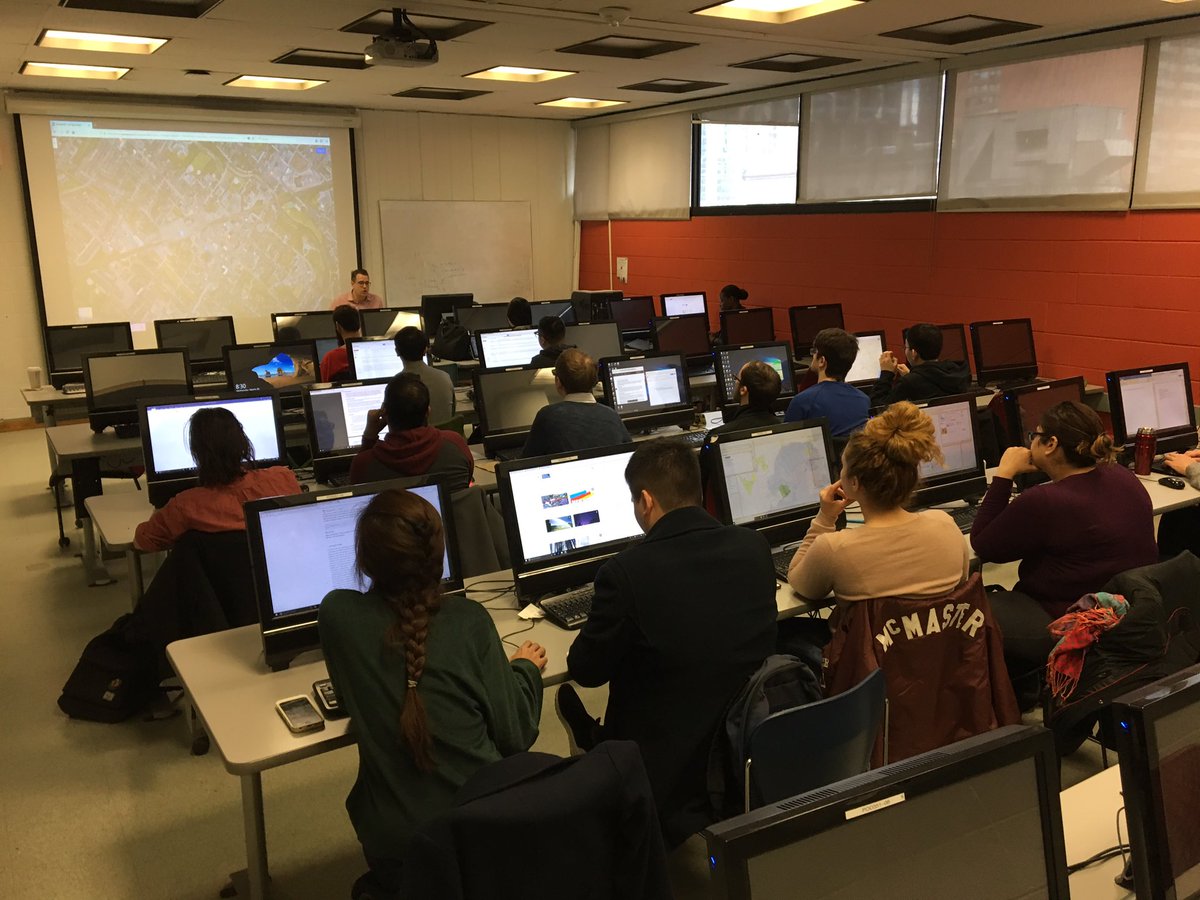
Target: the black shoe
(581, 728)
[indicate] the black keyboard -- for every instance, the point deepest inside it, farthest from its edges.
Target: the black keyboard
(782, 559)
(963, 516)
(569, 610)
(694, 438)
(73, 387)
(208, 378)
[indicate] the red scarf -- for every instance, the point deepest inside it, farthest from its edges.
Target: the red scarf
(1077, 630)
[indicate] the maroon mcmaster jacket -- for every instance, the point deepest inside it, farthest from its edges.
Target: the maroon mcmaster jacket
(1071, 536)
(415, 451)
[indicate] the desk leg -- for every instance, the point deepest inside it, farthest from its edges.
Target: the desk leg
(256, 835)
(97, 574)
(85, 482)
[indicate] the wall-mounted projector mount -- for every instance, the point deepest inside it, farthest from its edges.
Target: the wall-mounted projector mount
(404, 44)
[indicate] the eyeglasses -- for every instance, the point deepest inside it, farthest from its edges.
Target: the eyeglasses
(363, 283)
(1035, 435)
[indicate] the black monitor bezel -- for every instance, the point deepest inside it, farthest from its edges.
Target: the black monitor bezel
(656, 325)
(618, 346)
(58, 376)
(757, 312)
(882, 342)
(567, 304)
(286, 635)
(727, 395)
(703, 295)
(494, 440)
(803, 346)
(1181, 437)
(101, 416)
(310, 421)
(491, 308)
(198, 363)
(560, 573)
(633, 333)
(1012, 405)
(292, 393)
(951, 486)
(681, 413)
(986, 374)
(961, 328)
(370, 340)
(482, 357)
(304, 314)
(779, 528)
(364, 314)
(434, 306)
(733, 842)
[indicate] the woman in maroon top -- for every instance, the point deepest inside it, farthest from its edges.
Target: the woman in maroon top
(1093, 520)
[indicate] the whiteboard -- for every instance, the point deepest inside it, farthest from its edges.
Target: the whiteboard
(452, 247)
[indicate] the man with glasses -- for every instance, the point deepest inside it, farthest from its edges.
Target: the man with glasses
(359, 296)
(758, 386)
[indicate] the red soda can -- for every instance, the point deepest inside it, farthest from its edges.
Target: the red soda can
(1143, 451)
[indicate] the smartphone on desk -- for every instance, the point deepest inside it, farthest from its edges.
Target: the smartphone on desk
(299, 714)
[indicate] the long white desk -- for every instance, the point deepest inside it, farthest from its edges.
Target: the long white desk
(115, 518)
(1089, 811)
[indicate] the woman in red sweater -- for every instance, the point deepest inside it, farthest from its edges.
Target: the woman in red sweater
(224, 456)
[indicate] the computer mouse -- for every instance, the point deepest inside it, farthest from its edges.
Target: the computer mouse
(1176, 483)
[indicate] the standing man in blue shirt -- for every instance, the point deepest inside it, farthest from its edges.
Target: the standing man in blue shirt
(845, 406)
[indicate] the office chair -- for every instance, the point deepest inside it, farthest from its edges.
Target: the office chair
(807, 747)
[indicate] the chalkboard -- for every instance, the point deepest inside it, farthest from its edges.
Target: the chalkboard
(451, 247)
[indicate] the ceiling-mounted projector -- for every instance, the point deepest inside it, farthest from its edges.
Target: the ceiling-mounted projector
(404, 44)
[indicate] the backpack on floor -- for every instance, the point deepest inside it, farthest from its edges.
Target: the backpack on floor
(114, 679)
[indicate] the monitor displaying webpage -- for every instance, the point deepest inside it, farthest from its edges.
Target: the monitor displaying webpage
(169, 423)
(570, 506)
(309, 548)
(683, 304)
(731, 360)
(340, 415)
(502, 349)
(953, 430)
(1157, 400)
(510, 400)
(773, 473)
(374, 359)
(641, 385)
(866, 364)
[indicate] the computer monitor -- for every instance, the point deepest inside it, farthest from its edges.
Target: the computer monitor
(336, 417)
(115, 382)
(592, 306)
(597, 339)
(372, 358)
(690, 304)
(282, 367)
(770, 479)
(560, 309)
(302, 547)
(747, 326)
(434, 306)
(502, 348)
(1158, 739)
(865, 370)
(564, 516)
(1024, 406)
(66, 345)
(632, 315)
(648, 391)
(387, 321)
(982, 812)
(954, 343)
(203, 338)
(488, 316)
(306, 326)
(1158, 397)
(960, 475)
(729, 362)
(170, 466)
(1004, 351)
(682, 334)
(506, 401)
(806, 321)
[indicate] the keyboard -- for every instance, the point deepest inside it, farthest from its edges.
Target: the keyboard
(963, 516)
(694, 438)
(73, 387)
(507, 454)
(782, 558)
(201, 378)
(569, 610)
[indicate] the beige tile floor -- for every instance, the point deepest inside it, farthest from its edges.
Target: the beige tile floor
(92, 812)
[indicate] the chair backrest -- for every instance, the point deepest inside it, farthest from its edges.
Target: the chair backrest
(810, 746)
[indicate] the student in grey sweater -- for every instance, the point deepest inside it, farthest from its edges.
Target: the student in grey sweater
(411, 346)
(579, 422)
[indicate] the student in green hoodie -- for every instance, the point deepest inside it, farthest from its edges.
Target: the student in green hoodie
(431, 696)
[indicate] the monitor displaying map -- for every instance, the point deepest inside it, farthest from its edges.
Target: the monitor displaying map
(776, 472)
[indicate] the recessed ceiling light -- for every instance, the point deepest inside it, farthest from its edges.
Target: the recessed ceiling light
(582, 103)
(274, 82)
(625, 47)
(519, 73)
(185, 9)
(436, 93)
(672, 85)
(67, 70)
(960, 30)
(774, 12)
(792, 62)
(331, 59)
(440, 28)
(105, 43)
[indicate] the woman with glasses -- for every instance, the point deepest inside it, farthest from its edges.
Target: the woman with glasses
(1072, 535)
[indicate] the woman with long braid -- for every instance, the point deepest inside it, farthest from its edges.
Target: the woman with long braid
(424, 678)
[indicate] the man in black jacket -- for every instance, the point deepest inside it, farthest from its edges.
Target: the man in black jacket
(678, 623)
(552, 337)
(925, 377)
(758, 387)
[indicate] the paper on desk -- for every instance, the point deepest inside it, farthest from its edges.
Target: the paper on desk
(531, 612)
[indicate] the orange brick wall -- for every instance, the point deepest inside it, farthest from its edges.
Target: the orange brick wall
(1105, 290)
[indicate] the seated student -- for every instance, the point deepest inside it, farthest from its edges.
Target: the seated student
(520, 315)
(347, 322)
(896, 553)
(731, 298)
(925, 377)
(844, 405)
(425, 682)
(411, 346)
(552, 333)
(412, 445)
(1091, 521)
(758, 387)
(678, 623)
(1179, 529)
(223, 455)
(578, 422)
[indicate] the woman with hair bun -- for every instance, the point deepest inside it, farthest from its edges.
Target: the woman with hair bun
(732, 297)
(1090, 522)
(897, 553)
(425, 681)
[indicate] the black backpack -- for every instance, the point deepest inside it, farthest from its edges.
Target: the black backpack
(451, 341)
(114, 679)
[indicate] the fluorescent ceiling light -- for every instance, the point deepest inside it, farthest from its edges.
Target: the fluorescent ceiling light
(519, 73)
(106, 43)
(582, 103)
(274, 82)
(774, 12)
(66, 70)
